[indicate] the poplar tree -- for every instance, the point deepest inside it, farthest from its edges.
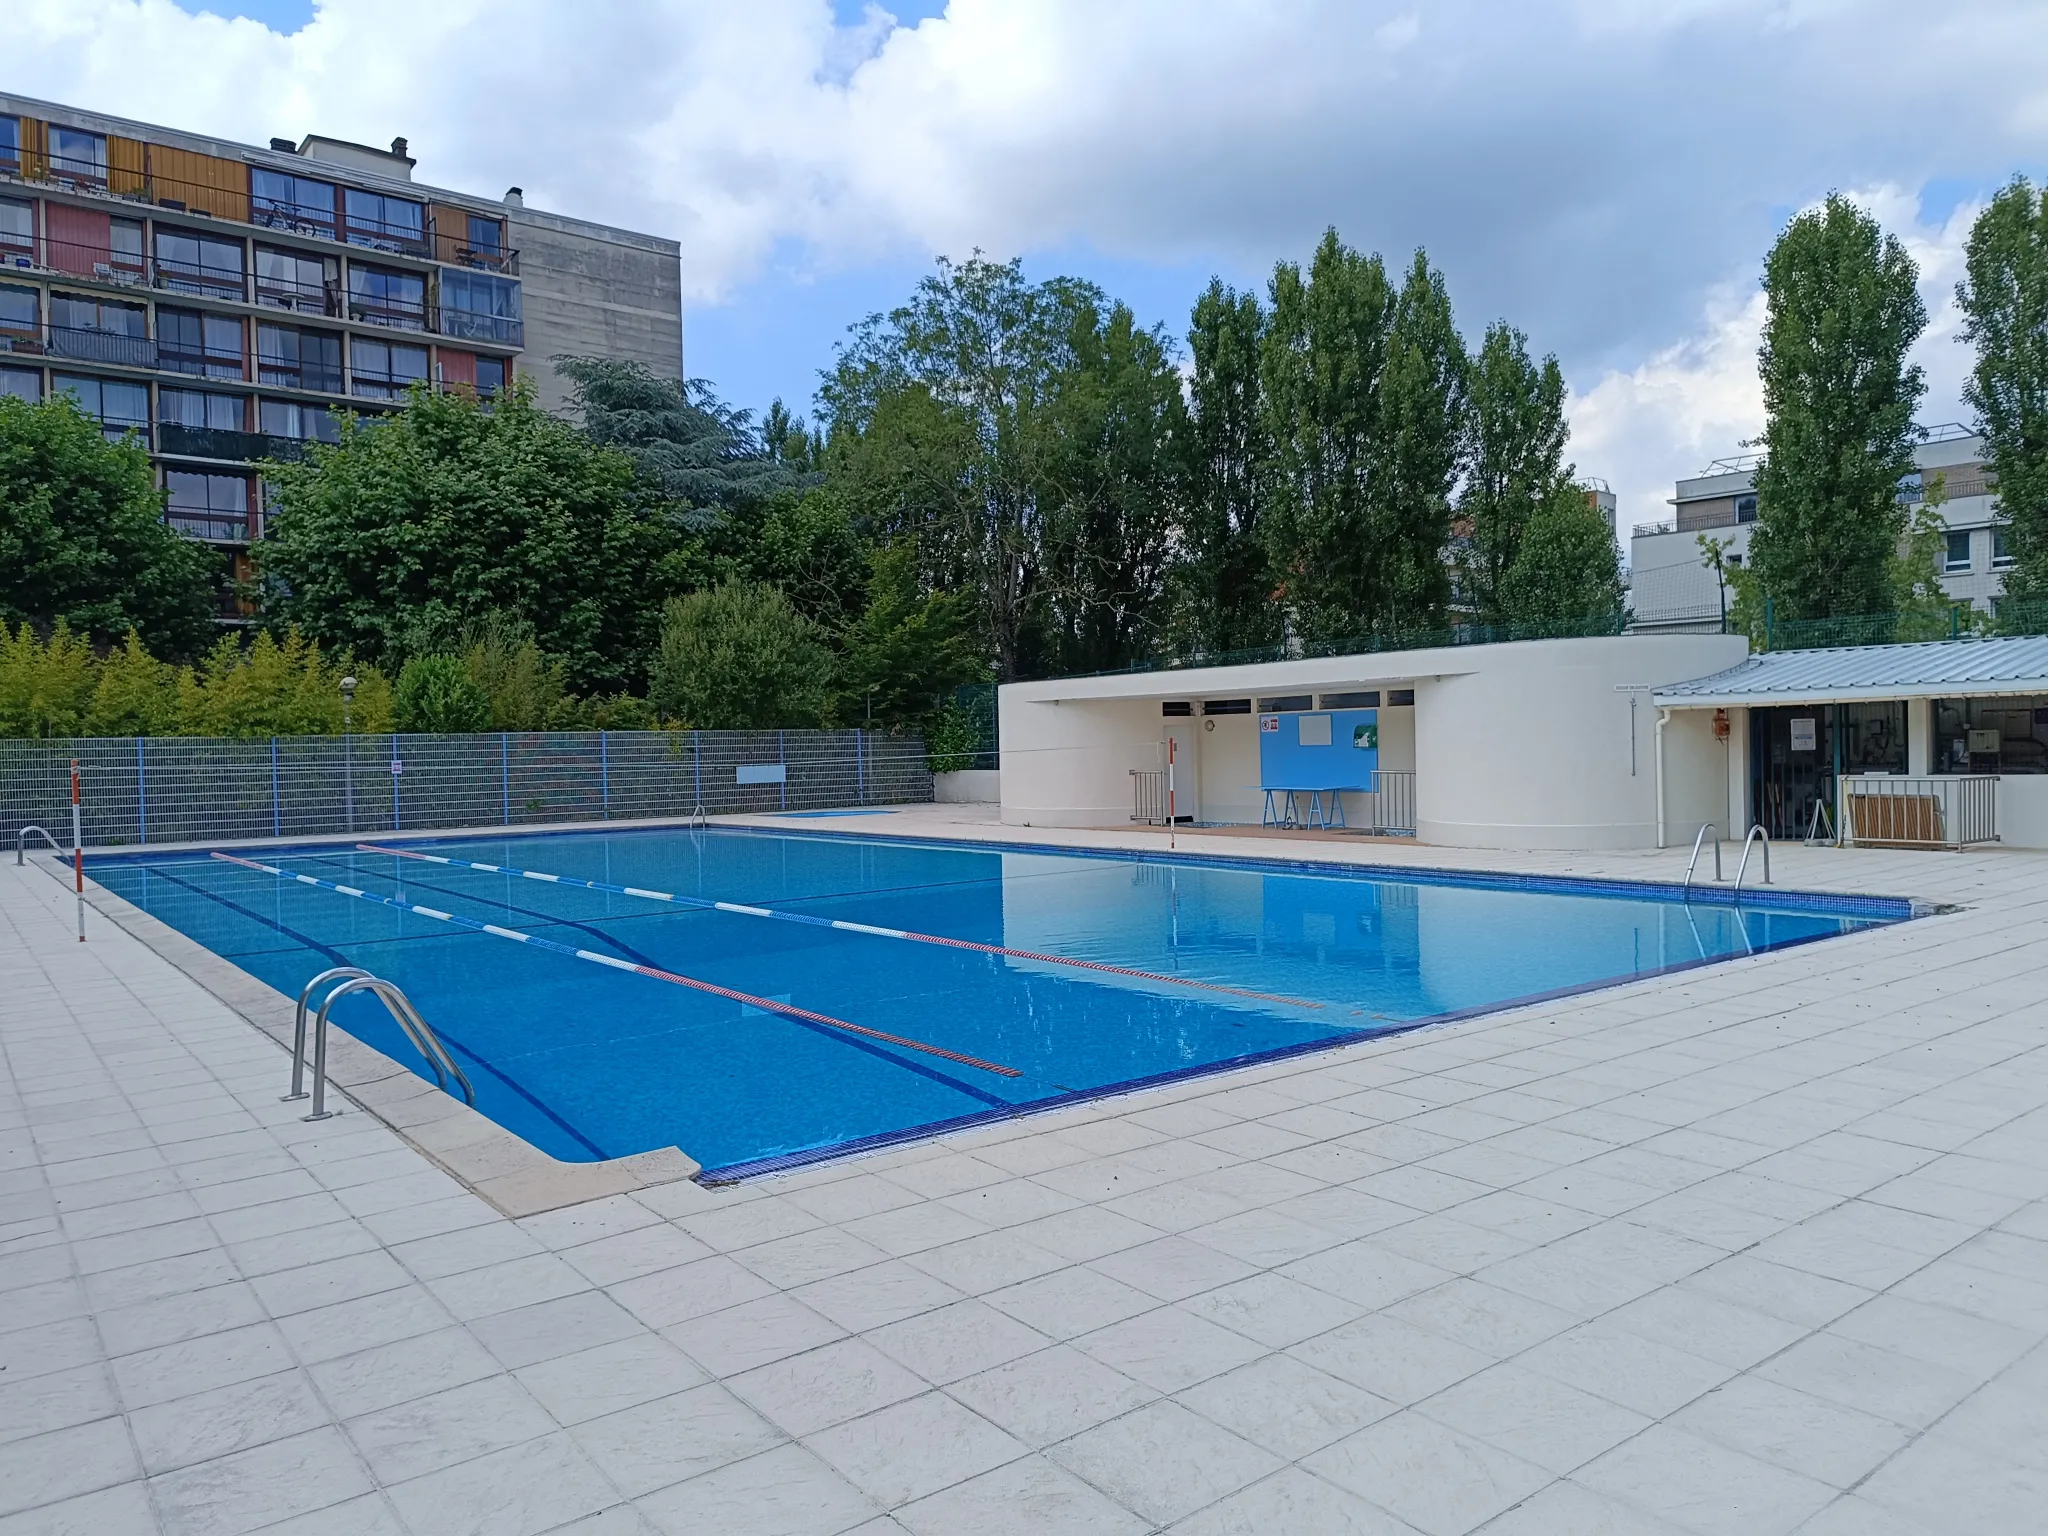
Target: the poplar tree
(1225, 581)
(1418, 447)
(1843, 312)
(1319, 367)
(1515, 442)
(2004, 299)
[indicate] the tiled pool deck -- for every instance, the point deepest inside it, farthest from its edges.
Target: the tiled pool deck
(1757, 1248)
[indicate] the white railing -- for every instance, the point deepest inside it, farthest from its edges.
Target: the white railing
(1945, 811)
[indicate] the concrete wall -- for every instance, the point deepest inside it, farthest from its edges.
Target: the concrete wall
(594, 292)
(2023, 810)
(1533, 749)
(1067, 763)
(968, 786)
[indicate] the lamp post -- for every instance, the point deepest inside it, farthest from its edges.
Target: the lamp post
(348, 764)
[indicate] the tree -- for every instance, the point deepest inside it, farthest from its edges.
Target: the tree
(135, 695)
(436, 693)
(46, 687)
(1515, 441)
(82, 534)
(1419, 443)
(1324, 349)
(740, 657)
(909, 649)
(1224, 581)
(2004, 299)
(1843, 311)
(685, 442)
(453, 509)
(526, 690)
(1566, 578)
(941, 423)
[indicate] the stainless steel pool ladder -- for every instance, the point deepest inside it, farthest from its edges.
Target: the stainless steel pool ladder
(1754, 834)
(349, 979)
(21, 843)
(1697, 842)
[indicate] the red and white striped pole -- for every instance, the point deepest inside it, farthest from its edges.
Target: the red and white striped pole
(77, 852)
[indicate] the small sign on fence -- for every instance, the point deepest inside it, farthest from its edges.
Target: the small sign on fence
(761, 773)
(397, 767)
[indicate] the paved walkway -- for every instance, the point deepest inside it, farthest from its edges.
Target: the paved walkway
(1753, 1249)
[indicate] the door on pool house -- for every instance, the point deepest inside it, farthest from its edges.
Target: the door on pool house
(1796, 751)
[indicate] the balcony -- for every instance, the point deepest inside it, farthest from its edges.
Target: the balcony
(392, 317)
(217, 443)
(111, 347)
(176, 277)
(209, 527)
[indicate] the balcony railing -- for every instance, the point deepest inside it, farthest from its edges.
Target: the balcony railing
(301, 298)
(211, 527)
(468, 325)
(392, 317)
(112, 347)
(28, 342)
(205, 283)
(219, 443)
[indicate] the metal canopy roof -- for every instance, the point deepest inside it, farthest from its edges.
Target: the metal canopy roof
(1934, 669)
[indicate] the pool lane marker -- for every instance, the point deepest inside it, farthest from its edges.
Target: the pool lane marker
(814, 921)
(765, 1004)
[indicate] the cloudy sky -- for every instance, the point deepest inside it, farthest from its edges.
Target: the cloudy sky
(1607, 174)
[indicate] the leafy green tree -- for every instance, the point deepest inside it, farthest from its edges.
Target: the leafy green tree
(809, 544)
(942, 425)
(1515, 441)
(1419, 443)
(526, 689)
(740, 657)
(2004, 299)
(1109, 502)
(909, 649)
(46, 686)
(1320, 363)
(1843, 312)
(1566, 579)
(436, 693)
(453, 509)
(135, 695)
(1224, 583)
(82, 534)
(684, 441)
(269, 688)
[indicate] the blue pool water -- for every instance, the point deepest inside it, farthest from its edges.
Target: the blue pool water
(589, 1062)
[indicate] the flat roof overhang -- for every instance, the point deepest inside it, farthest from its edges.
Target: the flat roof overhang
(1252, 678)
(1755, 698)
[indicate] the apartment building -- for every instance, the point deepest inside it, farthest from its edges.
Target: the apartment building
(1672, 588)
(227, 302)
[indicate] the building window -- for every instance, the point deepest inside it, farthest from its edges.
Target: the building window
(1288, 704)
(1368, 700)
(1176, 709)
(481, 307)
(199, 409)
(1956, 551)
(1745, 509)
(21, 311)
(189, 342)
(17, 231)
(124, 247)
(1997, 735)
(100, 331)
(10, 144)
(380, 297)
(291, 280)
(21, 383)
(383, 370)
(1226, 706)
(281, 200)
(486, 239)
(1400, 695)
(189, 263)
(2001, 550)
(385, 223)
(293, 359)
(302, 423)
(117, 406)
(490, 376)
(78, 156)
(208, 506)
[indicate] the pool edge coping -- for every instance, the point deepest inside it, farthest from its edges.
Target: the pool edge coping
(499, 1166)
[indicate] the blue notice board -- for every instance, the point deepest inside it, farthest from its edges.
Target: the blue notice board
(1331, 749)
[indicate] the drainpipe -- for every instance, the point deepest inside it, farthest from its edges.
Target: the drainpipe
(1663, 719)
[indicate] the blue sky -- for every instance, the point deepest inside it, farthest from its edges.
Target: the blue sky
(1606, 174)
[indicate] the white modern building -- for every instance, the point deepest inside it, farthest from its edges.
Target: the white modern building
(1672, 588)
(1631, 741)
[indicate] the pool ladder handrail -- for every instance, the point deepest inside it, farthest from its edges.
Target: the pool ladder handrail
(351, 978)
(21, 844)
(1693, 863)
(1747, 843)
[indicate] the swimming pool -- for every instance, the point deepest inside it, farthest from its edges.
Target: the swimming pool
(857, 989)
